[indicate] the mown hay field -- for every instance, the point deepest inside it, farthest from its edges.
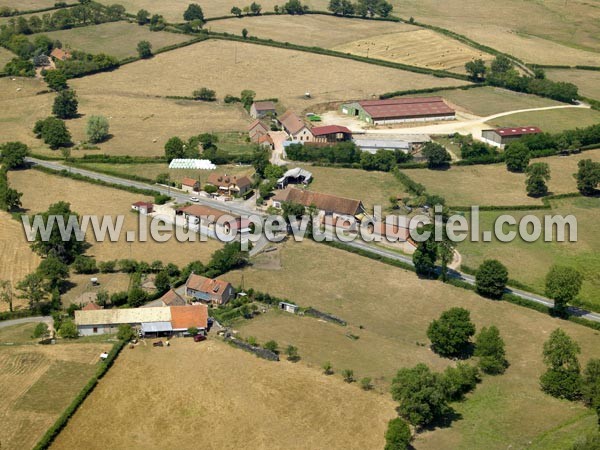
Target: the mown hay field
(529, 262)
(275, 405)
(389, 309)
(140, 124)
(173, 10)
(86, 198)
(493, 184)
(549, 32)
(396, 42)
(588, 81)
(27, 5)
(38, 382)
(270, 72)
(17, 260)
(551, 121)
(118, 39)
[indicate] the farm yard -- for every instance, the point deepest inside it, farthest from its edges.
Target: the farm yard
(87, 198)
(38, 382)
(118, 39)
(396, 42)
(493, 184)
(529, 262)
(588, 81)
(237, 66)
(551, 32)
(552, 121)
(269, 404)
(389, 310)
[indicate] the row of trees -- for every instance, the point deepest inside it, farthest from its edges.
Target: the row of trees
(254, 9)
(502, 72)
(362, 8)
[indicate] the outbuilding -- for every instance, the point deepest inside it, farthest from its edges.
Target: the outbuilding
(500, 137)
(142, 207)
(399, 110)
(258, 110)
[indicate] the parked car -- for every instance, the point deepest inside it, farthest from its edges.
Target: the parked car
(199, 338)
(194, 199)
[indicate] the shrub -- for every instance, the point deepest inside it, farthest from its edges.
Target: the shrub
(85, 264)
(193, 331)
(144, 49)
(204, 94)
(460, 380)
(65, 105)
(397, 436)
(292, 353)
(53, 131)
(107, 266)
(489, 347)
(68, 330)
(563, 378)
(327, 368)
(126, 332)
(40, 330)
(348, 375)
(272, 346)
(97, 129)
(365, 384)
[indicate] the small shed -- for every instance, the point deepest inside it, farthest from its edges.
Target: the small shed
(156, 328)
(143, 207)
(288, 307)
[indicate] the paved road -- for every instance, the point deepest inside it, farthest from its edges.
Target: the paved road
(45, 319)
(244, 211)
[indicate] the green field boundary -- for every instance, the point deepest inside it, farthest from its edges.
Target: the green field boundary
(52, 433)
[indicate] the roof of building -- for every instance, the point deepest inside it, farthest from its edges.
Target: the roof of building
(296, 172)
(264, 106)
(382, 143)
(172, 298)
(59, 53)
(156, 327)
(201, 211)
(257, 123)
(118, 316)
(517, 131)
(189, 182)
(206, 285)
(324, 202)
(265, 138)
(227, 180)
(412, 138)
(184, 317)
(291, 122)
(91, 306)
(406, 107)
(143, 204)
(329, 129)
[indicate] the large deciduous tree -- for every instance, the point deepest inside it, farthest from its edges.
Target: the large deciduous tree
(563, 283)
(563, 378)
(489, 347)
(491, 278)
(538, 174)
(65, 105)
(450, 335)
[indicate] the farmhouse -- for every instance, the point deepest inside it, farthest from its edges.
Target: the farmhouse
(190, 185)
(294, 176)
(215, 292)
(256, 130)
(331, 133)
(295, 128)
(58, 54)
(214, 220)
(328, 205)
(399, 110)
(142, 207)
(500, 137)
(258, 110)
(155, 320)
(230, 185)
(171, 298)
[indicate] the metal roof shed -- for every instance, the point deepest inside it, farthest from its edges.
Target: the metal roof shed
(156, 327)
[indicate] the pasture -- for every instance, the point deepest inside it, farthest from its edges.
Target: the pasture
(270, 404)
(16, 258)
(529, 262)
(38, 382)
(236, 66)
(493, 184)
(86, 198)
(396, 42)
(549, 32)
(173, 10)
(389, 309)
(551, 121)
(118, 39)
(80, 284)
(588, 81)
(5, 57)
(27, 5)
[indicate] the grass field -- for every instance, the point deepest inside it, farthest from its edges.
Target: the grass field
(394, 308)
(552, 121)
(5, 57)
(17, 259)
(588, 81)
(389, 41)
(80, 284)
(87, 198)
(117, 39)
(529, 262)
(492, 184)
(238, 66)
(486, 101)
(173, 10)
(38, 382)
(27, 5)
(549, 32)
(269, 404)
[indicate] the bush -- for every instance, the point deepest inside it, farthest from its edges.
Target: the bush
(366, 384)
(348, 375)
(205, 94)
(68, 330)
(97, 129)
(460, 380)
(193, 331)
(292, 353)
(85, 264)
(125, 333)
(327, 368)
(491, 278)
(272, 346)
(144, 49)
(56, 80)
(397, 436)
(489, 347)
(107, 266)
(40, 330)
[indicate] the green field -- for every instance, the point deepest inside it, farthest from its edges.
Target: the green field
(552, 121)
(389, 310)
(5, 57)
(117, 39)
(588, 81)
(486, 101)
(529, 262)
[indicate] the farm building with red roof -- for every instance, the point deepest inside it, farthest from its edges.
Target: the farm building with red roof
(499, 137)
(398, 110)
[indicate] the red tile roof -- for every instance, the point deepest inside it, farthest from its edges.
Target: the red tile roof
(61, 54)
(264, 106)
(324, 202)
(257, 123)
(206, 285)
(92, 306)
(172, 298)
(184, 317)
(144, 204)
(329, 129)
(291, 122)
(406, 107)
(517, 131)
(227, 180)
(189, 182)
